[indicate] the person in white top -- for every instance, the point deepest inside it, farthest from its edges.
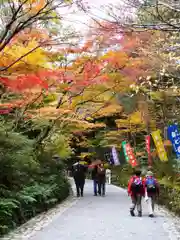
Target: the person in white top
(108, 176)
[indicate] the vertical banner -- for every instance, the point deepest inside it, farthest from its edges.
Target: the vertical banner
(131, 156)
(115, 157)
(148, 149)
(159, 145)
(174, 137)
(109, 158)
(124, 150)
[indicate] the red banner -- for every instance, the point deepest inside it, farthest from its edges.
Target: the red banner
(131, 156)
(148, 149)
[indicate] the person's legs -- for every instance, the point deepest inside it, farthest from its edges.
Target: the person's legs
(95, 187)
(82, 187)
(151, 203)
(103, 189)
(99, 188)
(153, 199)
(109, 179)
(77, 187)
(133, 205)
(139, 206)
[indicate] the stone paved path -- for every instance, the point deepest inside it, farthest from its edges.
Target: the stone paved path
(98, 218)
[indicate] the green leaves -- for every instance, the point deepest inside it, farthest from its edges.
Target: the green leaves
(30, 201)
(129, 103)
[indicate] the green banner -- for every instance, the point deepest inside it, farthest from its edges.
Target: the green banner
(124, 150)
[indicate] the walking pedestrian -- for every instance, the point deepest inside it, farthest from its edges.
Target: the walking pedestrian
(151, 192)
(101, 178)
(79, 175)
(108, 176)
(95, 180)
(136, 191)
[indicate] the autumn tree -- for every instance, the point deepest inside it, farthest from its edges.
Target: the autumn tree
(137, 15)
(160, 19)
(123, 62)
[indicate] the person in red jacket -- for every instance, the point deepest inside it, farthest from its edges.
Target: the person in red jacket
(151, 191)
(136, 190)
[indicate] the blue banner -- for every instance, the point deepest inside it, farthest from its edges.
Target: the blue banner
(174, 137)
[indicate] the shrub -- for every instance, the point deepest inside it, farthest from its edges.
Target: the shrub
(170, 197)
(30, 201)
(121, 175)
(30, 183)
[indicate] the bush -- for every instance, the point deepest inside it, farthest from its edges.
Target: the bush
(170, 197)
(121, 175)
(30, 183)
(30, 201)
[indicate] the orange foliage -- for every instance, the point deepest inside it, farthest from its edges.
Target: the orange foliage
(112, 53)
(29, 34)
(34, 6)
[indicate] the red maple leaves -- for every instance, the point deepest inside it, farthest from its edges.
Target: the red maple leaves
(21, 83)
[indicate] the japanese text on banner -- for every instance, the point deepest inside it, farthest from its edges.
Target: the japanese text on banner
(131, 156)
(159, 145)
(174, 137)
(148, 149)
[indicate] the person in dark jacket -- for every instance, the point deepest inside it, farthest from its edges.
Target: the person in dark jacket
(95, 180)
(101, 179)
(79, 175)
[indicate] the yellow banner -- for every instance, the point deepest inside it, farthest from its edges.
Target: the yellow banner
(159, 145)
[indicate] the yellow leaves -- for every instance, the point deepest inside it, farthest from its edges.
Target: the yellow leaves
(156, 95)
(118, 82)
(64, 116)
(136, 118)
(115, 58)
(34, 6)
(133, 123)
(50, 112)
(109, 110)
(92, 96)
(36, 58)
(152, 125)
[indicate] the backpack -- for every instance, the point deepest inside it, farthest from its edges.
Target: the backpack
(77, 169)
(136, 185)
(150, 185)
(101, 170)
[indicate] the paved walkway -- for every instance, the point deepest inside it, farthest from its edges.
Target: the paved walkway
(98, 218)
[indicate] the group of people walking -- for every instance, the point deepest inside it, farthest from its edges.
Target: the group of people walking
(146, 187)
(138, 187)
(99, 175)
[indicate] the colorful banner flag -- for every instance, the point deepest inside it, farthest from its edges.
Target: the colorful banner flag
(174, 137)
(131, 156)
(124, 150)
(115, 157)
(148, 149)
(109, 158)
(159, 145)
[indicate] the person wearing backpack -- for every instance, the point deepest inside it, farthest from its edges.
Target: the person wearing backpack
(136, 191)
(151, 191)
(101, 179)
